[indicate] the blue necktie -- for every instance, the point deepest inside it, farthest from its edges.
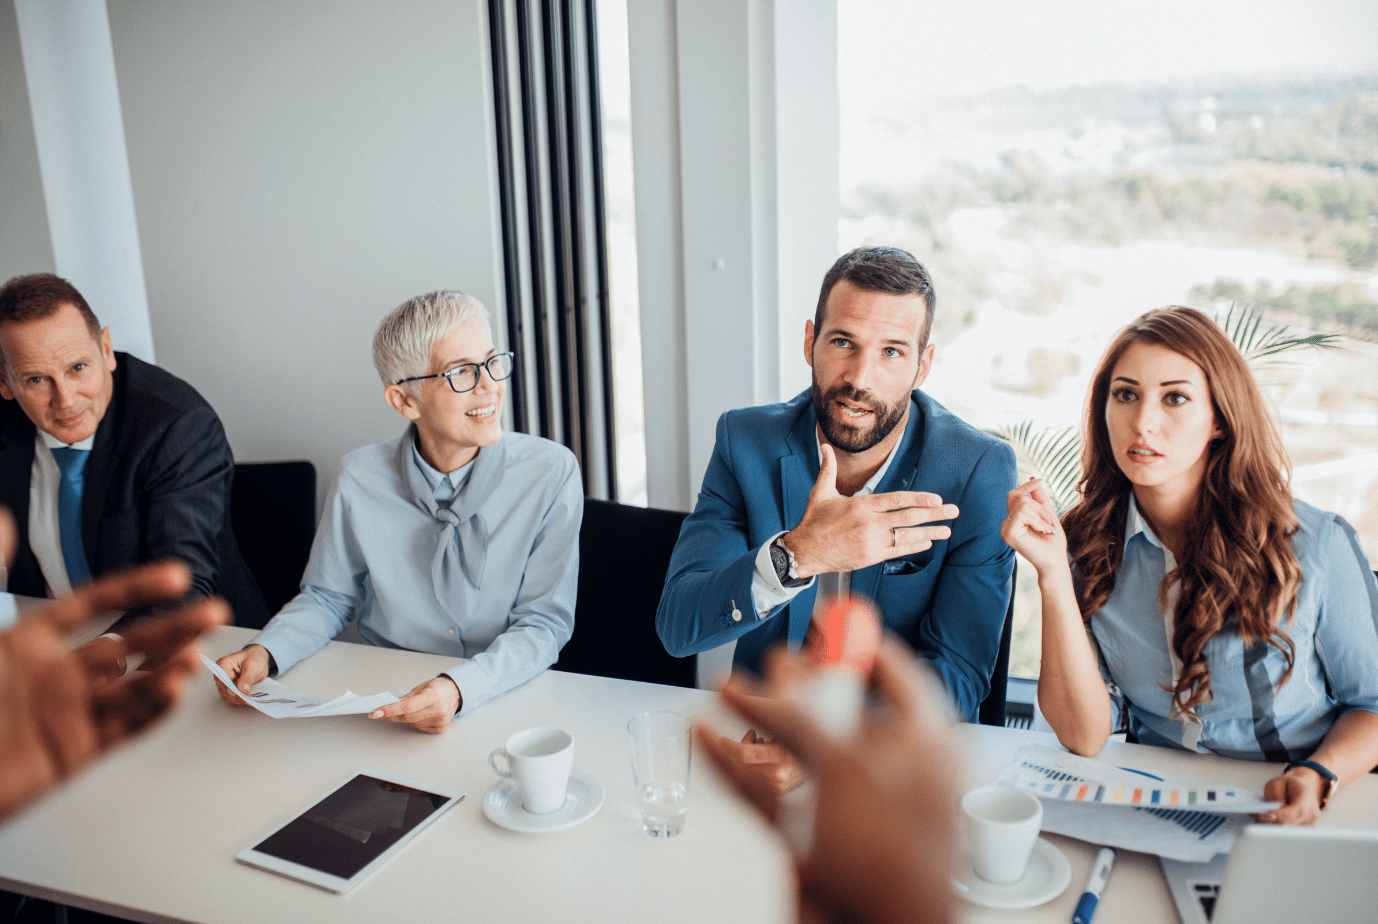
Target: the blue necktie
(73, 465)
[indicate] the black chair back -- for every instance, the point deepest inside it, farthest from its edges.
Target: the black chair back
(624, 554)
(992, 708)
(273, 509)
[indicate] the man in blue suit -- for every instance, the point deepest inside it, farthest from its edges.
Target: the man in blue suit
(863, 481)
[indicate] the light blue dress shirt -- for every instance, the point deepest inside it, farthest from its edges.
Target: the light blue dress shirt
(1335, 631)
(492, 576)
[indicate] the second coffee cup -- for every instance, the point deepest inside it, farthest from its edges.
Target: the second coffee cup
(1002, 825)
(539, 761)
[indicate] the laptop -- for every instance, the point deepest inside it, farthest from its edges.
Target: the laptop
(1282, 873)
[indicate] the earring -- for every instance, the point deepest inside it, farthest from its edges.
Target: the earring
(1217, 442)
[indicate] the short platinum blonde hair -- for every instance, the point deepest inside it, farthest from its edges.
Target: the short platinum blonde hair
(402, 344)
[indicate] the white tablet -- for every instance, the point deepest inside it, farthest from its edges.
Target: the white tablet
(356, 828)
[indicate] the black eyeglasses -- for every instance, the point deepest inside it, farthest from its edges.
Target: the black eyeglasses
(465, 378)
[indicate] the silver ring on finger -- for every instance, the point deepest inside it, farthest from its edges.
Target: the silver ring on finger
(894, 537)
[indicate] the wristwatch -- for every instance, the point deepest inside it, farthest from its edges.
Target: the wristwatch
(783, 560)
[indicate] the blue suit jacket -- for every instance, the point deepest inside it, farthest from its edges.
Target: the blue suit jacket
(947, 602)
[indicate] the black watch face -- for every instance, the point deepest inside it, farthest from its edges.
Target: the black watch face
(780, 560)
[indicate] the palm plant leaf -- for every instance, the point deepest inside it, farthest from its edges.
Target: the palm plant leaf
(1052, 454)
(1243, 324)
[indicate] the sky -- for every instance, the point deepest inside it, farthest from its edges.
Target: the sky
(917, 48)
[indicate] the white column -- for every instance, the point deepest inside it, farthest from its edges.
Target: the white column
(734, 131)
(69, 64)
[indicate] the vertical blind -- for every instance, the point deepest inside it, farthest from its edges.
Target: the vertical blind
(555, 266)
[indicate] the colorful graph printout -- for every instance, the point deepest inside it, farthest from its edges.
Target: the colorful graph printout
(1192, 831)
(1061, 777)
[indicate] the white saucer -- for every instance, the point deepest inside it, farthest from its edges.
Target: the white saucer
(1045, 878)
(503, 805)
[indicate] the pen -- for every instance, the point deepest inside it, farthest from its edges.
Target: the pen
(1095, 885)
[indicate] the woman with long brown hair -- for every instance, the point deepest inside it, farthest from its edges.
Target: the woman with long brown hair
(1187, 592)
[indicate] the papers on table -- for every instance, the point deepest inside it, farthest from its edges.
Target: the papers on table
(280, 701)
(1174, 816)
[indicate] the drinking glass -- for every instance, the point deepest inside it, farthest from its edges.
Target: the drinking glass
(661, 747)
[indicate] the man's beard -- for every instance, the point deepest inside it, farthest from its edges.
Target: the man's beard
(845, 435)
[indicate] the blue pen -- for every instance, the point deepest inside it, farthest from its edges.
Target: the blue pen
(1095, 885)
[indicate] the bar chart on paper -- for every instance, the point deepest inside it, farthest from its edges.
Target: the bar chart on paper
(1061, 777)
(1064, 787)
(1174, 816)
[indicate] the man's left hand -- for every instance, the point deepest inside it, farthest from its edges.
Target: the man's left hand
(772, 763)
(429, 707)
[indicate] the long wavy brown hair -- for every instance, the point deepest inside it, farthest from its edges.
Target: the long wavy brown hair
(1237, 565)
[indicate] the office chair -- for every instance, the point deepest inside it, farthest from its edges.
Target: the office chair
(273, 510)
(624, 553)
(992, 708)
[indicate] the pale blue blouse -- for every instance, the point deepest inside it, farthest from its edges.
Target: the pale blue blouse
(1335, 631)
(490, 576)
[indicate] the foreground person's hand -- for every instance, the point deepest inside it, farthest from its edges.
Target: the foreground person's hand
(57, 713)
(886, 803)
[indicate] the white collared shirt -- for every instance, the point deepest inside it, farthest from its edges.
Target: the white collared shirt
(44, 533)
(767, 592)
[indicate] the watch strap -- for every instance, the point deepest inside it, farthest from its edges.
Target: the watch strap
(1331, 780)
(786, 575)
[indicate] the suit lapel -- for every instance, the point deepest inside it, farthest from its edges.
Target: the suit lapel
(799, 468)
(100, 466)
(798, 472)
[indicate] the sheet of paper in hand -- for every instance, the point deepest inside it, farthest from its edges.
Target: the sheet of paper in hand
(280, 701)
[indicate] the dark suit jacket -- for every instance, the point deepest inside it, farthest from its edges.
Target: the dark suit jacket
(947, 602)
(157, 486)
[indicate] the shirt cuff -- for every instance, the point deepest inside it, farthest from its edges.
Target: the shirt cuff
(767, 593)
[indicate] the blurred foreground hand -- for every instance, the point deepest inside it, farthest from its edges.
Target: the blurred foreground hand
(58, 712)
(885, 820)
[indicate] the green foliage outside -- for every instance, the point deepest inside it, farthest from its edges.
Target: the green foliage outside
(1349, 309)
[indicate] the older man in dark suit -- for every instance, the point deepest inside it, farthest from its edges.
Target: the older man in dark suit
(107, 461)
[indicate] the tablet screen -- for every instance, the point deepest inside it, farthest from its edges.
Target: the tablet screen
(353, 826)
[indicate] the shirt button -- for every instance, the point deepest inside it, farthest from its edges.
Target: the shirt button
(736, 615)
(452, 631)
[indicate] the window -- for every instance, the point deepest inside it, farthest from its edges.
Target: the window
(1063, 167)
(615, 78)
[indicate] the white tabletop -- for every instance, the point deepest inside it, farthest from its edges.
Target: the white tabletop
(150, 833)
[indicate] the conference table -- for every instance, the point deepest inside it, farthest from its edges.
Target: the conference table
(150, 832)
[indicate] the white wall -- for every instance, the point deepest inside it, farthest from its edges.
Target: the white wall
(734, 114)
(299, 170)
(79, 138)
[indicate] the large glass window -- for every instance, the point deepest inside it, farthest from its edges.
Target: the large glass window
(615, 77)
(1062, 167)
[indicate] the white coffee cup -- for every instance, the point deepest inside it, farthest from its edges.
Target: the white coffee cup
(539, 760)
(1002, 825)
